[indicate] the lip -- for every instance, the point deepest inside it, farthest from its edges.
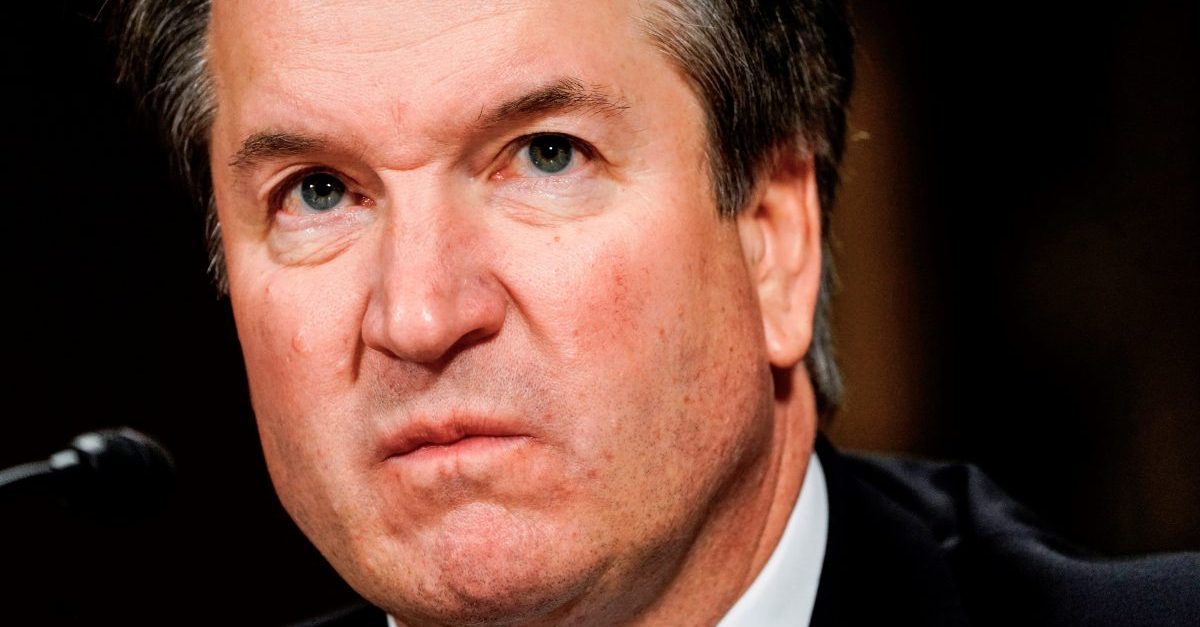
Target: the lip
(457, 434)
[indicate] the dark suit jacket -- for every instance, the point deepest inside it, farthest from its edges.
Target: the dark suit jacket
(923, 543)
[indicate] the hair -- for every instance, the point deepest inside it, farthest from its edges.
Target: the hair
(773, 76)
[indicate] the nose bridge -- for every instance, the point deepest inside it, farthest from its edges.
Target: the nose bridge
(433, 284)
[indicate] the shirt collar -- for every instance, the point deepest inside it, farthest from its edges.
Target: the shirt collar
(785, 589)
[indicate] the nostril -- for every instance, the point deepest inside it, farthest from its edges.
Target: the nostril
(478, 336)
(434, 290)
(428, 325)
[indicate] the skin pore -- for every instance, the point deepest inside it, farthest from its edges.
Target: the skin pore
(493, 389)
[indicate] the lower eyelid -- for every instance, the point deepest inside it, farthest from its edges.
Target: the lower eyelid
(563, 187)
(348, 216)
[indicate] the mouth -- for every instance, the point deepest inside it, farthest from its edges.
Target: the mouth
(457, 436)
(472, 446)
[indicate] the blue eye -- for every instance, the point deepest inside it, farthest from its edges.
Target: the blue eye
(550, 153)
(321, 191)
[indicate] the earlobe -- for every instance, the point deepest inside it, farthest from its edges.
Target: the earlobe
(781, 238)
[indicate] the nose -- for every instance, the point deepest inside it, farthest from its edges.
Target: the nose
(435, 291)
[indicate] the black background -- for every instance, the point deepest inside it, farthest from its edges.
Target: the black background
(1053, 156)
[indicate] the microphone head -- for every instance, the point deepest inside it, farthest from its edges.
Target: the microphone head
(115, 475)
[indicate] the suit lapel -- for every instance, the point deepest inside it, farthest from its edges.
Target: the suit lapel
(882, 565)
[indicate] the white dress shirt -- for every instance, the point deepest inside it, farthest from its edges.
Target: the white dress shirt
(784, 592)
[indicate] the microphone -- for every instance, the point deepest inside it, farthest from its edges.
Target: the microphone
(114, 475)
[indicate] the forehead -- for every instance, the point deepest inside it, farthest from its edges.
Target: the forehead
(417, 63)
(415, 31)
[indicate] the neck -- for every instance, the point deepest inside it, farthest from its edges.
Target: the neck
(744, 528)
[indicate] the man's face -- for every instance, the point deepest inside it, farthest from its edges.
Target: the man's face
(504, 355)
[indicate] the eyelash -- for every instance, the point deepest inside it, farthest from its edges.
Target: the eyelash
(514, 148)
(582, 146)
(519, 146)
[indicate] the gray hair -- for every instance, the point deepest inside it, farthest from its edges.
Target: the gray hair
(162, 55)
(772, 76)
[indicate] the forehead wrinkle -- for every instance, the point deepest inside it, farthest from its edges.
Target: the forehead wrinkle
(406, 110)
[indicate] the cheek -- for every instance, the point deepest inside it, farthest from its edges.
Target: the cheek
(299, 340)
(619, 296)
(610, 306)
(660, 350)
(668, 377)
(292, 341)
(644, 312)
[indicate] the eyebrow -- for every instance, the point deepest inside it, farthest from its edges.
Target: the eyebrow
(268, 145)
(562, 95)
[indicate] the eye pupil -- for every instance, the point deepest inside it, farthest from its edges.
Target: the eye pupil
(321, 192)
(550, 153)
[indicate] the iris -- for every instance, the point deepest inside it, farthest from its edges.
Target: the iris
(550, 153)
(321, 191)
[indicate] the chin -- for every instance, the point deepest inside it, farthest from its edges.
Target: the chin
(482, 565)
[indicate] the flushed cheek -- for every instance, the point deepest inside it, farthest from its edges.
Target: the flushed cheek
(599, 297)
(610, 312)
(606, 322)
(657, 330)
(628, 311)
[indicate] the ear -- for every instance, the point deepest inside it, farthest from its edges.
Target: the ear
(781, 238)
